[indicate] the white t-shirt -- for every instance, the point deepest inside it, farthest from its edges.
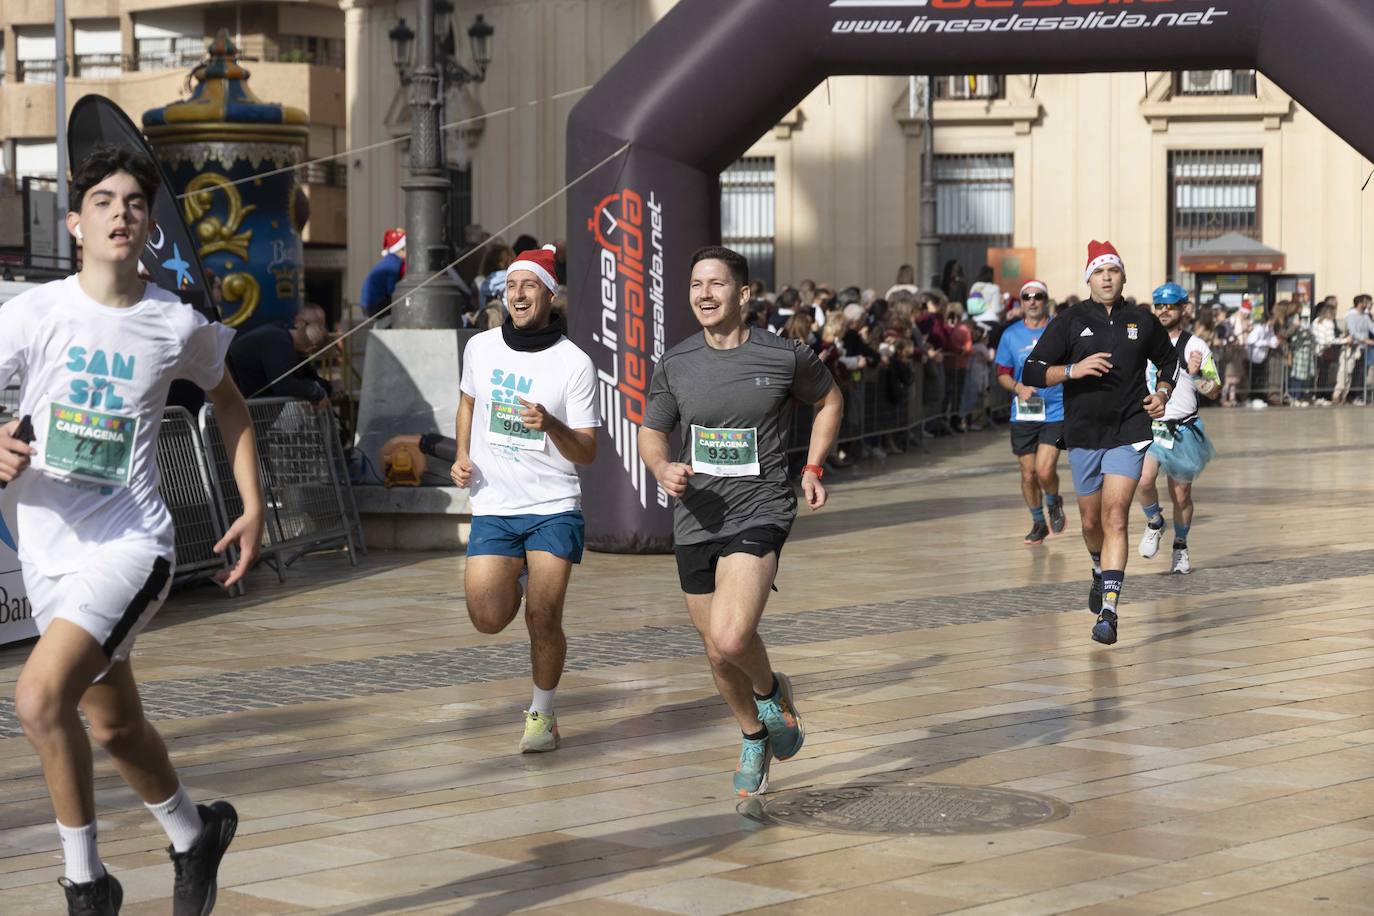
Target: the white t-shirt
(1183, 402)
(518, 471)
(95, 381)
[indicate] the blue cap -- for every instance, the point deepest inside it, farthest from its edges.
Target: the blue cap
(1169, 294)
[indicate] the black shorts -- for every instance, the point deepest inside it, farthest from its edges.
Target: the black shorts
(696, 563)
(1027, 437)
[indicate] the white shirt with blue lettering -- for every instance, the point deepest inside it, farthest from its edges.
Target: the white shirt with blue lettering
(509, 480)
(95, 380)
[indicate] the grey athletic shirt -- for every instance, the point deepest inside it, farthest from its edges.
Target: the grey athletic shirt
(742, 395)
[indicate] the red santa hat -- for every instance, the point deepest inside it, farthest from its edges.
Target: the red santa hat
(540, 262)
(393, 240)
(1100, 254)
(1035, 285)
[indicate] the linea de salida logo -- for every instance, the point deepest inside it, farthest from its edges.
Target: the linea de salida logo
(628, 231)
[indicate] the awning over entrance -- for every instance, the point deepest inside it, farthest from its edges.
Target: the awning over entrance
(1233, 253)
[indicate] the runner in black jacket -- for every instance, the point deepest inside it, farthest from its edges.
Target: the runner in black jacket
(1098, 350)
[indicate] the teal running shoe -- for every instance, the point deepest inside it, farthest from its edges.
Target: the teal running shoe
(779, 715)
(751, 776)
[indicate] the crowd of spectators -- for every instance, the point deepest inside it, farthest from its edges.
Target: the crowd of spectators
(946, 339)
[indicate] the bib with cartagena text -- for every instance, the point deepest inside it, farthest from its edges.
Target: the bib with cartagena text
(507, 429)
(725, 452)
(89, 445)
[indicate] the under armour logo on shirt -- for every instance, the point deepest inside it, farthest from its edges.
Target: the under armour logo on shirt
(1087, 332)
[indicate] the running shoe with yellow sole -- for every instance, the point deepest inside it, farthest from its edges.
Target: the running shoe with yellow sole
(541, 733)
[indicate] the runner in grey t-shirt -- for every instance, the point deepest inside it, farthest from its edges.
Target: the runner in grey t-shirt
(762, 376)
(730, 389)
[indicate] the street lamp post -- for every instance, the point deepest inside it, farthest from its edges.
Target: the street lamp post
(410, 378)
(928, 248)
(433, 305)
(428, 248)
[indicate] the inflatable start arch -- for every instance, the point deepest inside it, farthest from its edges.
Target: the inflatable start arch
(713, 75)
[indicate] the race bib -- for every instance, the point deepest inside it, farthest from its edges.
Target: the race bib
(1032, 409)
(1164, 436)
(506, 429)
(725, 452)
(89, 445)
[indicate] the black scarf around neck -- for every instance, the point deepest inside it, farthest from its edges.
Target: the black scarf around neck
(533, 341)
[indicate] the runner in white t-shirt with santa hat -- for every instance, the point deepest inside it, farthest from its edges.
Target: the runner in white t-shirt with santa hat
(528, 416)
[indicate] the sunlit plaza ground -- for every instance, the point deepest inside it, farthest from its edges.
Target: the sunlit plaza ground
(1219, 757)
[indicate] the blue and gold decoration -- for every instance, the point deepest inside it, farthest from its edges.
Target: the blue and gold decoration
(248, 233)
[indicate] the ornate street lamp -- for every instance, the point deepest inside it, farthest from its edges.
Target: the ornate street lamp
(446, 58)
(443, 16)
(402, 41)
(479, 34)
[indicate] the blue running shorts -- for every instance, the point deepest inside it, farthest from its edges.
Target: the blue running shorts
(1089, 465)
(515, 535)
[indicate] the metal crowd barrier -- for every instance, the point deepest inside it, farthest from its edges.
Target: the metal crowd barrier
(186, 489)
(871, 412)
(1298, 371)
(303, 495)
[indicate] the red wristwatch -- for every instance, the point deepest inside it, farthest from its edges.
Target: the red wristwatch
(814, 469)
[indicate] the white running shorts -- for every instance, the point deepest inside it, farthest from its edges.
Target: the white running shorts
(112, 599)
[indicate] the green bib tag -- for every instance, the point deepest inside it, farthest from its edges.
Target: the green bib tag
(89, 445)
(505, 428)
(725, 452)
(1164, 436)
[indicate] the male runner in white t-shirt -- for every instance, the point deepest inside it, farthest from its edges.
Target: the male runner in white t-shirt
(96, 354)
(527, 418)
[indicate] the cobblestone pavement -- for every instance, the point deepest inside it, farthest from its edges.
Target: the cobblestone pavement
(270, 688)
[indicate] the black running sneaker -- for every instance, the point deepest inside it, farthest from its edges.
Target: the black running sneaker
(193, 893)
(1037, 534)
(1104, 631)
(1057, 519)
(1095, 594)
(100, 897)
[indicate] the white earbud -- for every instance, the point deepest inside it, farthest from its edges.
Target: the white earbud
(77, 232)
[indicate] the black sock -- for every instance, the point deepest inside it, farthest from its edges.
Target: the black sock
(758, 735)
(772, 693)
(1112, 582)
(1180, 544)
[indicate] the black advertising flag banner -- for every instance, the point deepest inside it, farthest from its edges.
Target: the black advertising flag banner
(170, 256)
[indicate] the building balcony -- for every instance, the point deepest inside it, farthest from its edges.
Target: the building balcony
(1214, 82)
(970, 87)
(27, 109)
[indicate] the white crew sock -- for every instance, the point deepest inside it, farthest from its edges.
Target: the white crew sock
(78, 853)
(543, 701)
(179, 817)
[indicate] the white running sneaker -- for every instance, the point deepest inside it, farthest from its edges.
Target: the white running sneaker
(1149, 541)
(1181, 564)
(541, 733)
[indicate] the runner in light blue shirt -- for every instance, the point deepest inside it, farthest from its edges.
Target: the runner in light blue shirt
(1037, 415)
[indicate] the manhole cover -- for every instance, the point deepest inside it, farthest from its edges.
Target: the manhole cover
(923, 809)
